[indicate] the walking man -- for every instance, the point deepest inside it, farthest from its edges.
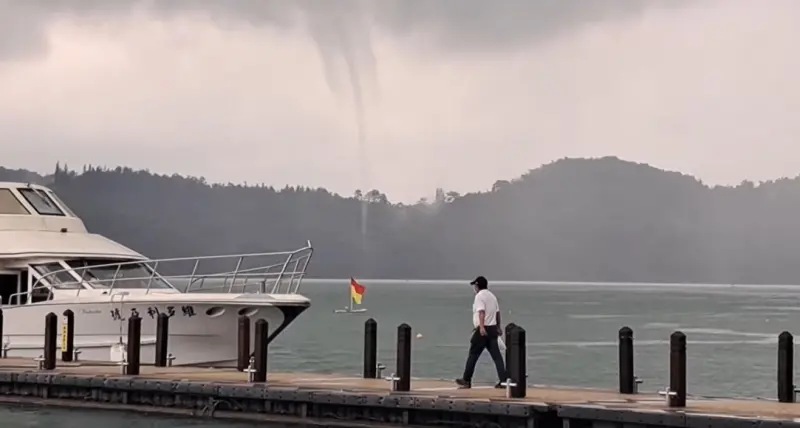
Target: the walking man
(486, 323)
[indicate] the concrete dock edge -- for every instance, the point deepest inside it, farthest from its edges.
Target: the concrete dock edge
(316, 406)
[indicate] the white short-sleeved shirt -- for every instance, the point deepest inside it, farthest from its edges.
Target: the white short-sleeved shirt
(487, 302)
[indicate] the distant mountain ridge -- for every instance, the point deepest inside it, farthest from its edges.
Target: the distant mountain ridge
(570, 220)
(24, 176)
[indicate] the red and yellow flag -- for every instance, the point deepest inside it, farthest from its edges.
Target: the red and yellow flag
(356, 291)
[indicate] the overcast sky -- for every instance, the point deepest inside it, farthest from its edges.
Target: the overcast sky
(454, 93)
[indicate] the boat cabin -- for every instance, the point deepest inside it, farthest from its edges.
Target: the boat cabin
(46, 251)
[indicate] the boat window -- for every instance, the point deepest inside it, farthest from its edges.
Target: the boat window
(60, 202)
(101, 273)
(40, 202)
(57, 276)
(9, 204)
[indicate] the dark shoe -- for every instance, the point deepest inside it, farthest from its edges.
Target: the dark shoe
(462, 384)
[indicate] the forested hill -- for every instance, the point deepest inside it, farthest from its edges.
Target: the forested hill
(572, 220)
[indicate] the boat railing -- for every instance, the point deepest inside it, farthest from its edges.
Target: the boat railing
(269, 273)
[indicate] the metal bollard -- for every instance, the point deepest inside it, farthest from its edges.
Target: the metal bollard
(134, 345)
(170, 359)
(677, 370)
(39, 362)
(636, 383)
(50, 333)
(509, 385)
(668, 396)
(6, 347)
(250, 369)
(627, 380)
(403, 363)
(68, 336)
(395, 380)
(162, 339)
(370, 349)
(76, 354)
(123, 366)
(260, 354)
(243, 342)
(786, 393)
(379, 368)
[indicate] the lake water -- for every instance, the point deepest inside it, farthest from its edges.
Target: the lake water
(571, 334)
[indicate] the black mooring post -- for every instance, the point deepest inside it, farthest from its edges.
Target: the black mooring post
(786, 368)
(509, 327)
(404, 357)
(370, 349)
(518, 360)
(261, 344)
(134, 345)
(677, 369)
(626, 378)
(243, 344)
(162, 339)
(68, 336)
(50, 334)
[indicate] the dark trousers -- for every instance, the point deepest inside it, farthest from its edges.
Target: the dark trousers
(476, 346)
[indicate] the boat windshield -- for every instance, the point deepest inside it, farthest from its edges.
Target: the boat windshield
(9, 204)
(41, 202)
(60, 202)
(100, 273)
(57, 276)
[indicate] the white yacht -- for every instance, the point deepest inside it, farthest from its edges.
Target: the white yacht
(49, 262)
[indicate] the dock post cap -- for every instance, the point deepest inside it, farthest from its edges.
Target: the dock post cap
(393, 379)
(678, 335)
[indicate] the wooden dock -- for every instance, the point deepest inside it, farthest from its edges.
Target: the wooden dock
(350, 400)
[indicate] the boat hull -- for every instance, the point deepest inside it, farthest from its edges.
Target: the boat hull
(200, 333)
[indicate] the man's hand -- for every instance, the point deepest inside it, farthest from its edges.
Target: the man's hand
(483, 331)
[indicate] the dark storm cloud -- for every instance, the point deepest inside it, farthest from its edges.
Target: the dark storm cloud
(453, 24)
(481, 24)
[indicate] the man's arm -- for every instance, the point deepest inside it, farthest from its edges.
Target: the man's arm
(499, 324)
(480, 305)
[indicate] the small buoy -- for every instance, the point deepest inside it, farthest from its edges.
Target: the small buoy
(419, 335)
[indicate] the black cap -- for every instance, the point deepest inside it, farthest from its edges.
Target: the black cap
(480, 282)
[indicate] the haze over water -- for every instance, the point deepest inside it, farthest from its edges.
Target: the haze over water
(571, 333)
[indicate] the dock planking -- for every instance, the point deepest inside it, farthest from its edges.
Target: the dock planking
(566, 403)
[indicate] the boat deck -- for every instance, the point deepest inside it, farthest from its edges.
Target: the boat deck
(566, 398)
